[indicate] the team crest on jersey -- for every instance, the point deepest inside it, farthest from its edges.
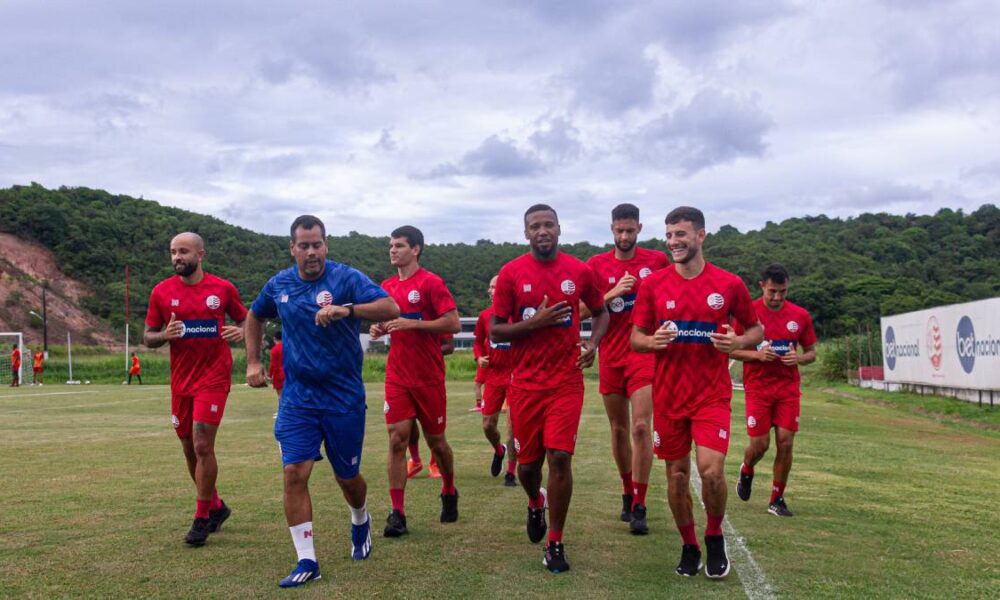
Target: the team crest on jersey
(645, 272)
(175, 302)
(175, 421)
(716, 301)
(617, 305)
(324, 298)
(671, 305)
(611, 279)
(656, 439)
(527, 313)
(792, 326)
(526, 288)
(751, 422)
(517, 445)
(213, 302)
(413, 296)
(568, 287)
(723, 434)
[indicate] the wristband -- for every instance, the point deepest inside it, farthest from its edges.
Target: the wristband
(350, 309)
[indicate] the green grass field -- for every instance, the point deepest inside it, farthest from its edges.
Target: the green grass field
(890, 502)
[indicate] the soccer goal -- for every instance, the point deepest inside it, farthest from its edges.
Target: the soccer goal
(7, 341)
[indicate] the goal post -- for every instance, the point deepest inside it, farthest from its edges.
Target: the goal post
(7, 341)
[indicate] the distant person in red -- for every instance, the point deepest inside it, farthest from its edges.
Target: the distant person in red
(536, 309)
(36, 368)
(414, 377)
(276, 367)
(415, 464)
(15, 366)
(683, 315)
(627, 376)
(188, 311)
(771, 381)
(480, 349)
(496, 362)
(135, 370)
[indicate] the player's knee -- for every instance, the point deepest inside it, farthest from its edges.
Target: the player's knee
(398, 442)
(713, 474)
(640, 430)
(295, 477)
(203, 448)
(677, 483)
(784, 446)
(559, 460)
(437, 443)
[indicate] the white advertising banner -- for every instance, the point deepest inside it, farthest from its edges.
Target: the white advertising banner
(955, 346)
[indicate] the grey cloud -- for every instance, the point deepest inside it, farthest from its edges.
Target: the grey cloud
(988, 172)
(613, 83)
(558, 139)
(695, 29)
(337, 59)
(495, 157)
(714, 128)
(386, 142)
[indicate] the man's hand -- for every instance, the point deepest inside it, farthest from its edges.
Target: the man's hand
(255, 374)
(377, 330)
(548, 316)
(624, 286)
(587, 354)
(400, 324)
(330, 313)
(484, 361)
(725, 342)
(663, 335)
(232, 333)
(174, 329)
(767, 353)
(790, 359)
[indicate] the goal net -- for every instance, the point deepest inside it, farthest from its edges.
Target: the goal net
(8, 339)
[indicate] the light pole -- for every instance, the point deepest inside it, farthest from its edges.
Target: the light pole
(45, 330)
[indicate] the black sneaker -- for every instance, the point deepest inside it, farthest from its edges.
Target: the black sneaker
(555, 558)
(497, 465)
(198, 533)
(779, 508)
(717, 565)
(449, 507)
(638, 524)
(395, 525)
(690, 561)
(217, 517)
(536, 524)
(743, 486)
(509, 480)
(626, 515)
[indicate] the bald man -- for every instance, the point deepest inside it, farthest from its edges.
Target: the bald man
(188, 311)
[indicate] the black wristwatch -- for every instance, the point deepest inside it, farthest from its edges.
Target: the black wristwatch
(350, 309)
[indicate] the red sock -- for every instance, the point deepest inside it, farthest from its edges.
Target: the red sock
(448, 484)
(777, 490)
(510, 466)
(627, 483)
(537, 502)
(639, 493)
(555, 535)
(714, 526)
(499, 449)
(216, 501)
(434, 461)
(415, 452)
(745, 470)
(201, 508)
(688, 534)
(396, 495)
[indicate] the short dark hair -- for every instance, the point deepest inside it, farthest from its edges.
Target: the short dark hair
(414, 237)
(775, 272)
(539, 208)
(625, 211)
(277, 335)
(686, 213)
(307, 222)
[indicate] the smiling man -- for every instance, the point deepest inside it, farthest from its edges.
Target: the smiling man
(188, 311)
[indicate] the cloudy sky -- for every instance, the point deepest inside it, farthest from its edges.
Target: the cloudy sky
(455, 116)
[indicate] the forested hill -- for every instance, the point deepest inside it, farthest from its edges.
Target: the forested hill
(846, 272)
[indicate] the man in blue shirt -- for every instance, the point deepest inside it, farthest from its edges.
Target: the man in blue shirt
(320, 304)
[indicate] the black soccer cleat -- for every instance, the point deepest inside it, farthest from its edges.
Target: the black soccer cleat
(690, 561)
(509, 480)
(536, 524)
(555, 558)
(743, 486)
(638, 525)
(217, 517)
(778, 508)
(198, 533)
(497, 464)
(626, 515)
(395, 525)
(449, 507)
(717, 563)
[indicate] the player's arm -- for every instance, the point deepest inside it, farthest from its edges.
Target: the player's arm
(253, 334)
(381, 309)
(625, 285)
(728, 342)
(642, 340)
(545, 316)
(599, 327)
(233, 333)
(793, 358)
(154, 338)
(446, 323)
(447, 346)
(765, 354)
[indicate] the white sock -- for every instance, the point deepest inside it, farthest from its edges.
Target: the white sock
(302, 537)
(359, 515)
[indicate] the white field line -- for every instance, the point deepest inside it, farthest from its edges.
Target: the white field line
(37, 409)
(751, 575)
(47, 394)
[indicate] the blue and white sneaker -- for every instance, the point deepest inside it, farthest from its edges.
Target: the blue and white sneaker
(304, 572)
(361, 539)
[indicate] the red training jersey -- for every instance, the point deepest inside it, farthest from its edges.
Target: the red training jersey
(789, 326)
(276, 367)
(135, 366)
(501, 354)
(415, 356)
(546, 358)
(200, 359)
(616, 349)
(690, 372)
(15, 358)
(39, 361)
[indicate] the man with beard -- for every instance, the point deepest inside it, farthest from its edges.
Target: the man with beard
(321, 304)
(627, 377)
(683, 315)
(536, 308)
(188, 311)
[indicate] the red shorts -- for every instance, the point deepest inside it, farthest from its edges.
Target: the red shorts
(36, 369)
(203, 407)
(708, 427)
(544, 420)
(427, 403)
(133, 371)
(480, 374)
(763, 414)
(624, 380)
(494, 395)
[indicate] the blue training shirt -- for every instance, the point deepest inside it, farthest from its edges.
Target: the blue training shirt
(322, 364)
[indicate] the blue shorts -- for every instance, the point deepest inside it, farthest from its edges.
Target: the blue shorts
(300, 431)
